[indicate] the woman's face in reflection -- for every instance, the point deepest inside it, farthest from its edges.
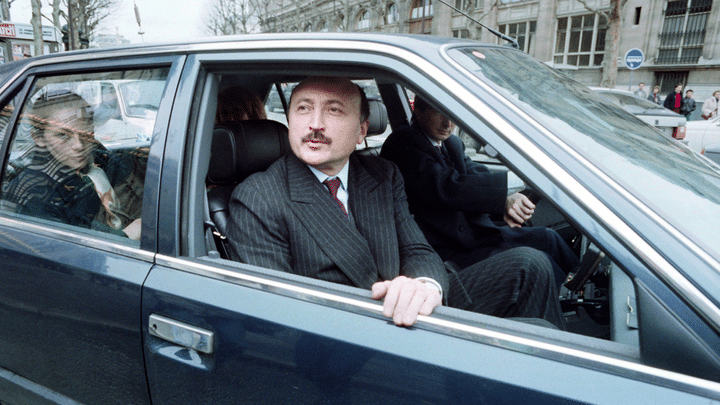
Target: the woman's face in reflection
(68, 142)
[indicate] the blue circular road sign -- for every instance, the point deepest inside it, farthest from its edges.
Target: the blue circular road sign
(634, 58)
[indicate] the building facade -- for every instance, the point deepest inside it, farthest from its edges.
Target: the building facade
(16, 41)
(680, 39)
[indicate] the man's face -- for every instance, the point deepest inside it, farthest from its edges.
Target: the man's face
(324, 123)
(435, 125)
(678, 88)
(689, 94)
(641, 86)
(655, 91)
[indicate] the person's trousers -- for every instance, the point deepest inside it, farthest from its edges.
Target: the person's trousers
(516, 283)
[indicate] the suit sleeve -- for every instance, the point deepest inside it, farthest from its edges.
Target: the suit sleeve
(256, 231)
(417, 258)
(429, 183)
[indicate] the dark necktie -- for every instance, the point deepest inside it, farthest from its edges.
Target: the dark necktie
(446, 157)
(333, 186)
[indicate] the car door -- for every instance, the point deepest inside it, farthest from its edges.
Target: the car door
(217, 331)
(71, 290)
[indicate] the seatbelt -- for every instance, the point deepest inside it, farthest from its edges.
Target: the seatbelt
(214, 240)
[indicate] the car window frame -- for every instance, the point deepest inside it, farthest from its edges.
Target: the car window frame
(59, 67)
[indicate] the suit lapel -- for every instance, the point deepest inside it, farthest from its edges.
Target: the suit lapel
(374, 218)
(334, 233)
(423, 143)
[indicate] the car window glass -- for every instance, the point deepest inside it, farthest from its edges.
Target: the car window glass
(642, 161)
(274, 103)
(5, 114)
(79, 151)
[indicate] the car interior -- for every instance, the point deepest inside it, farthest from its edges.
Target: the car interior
(599, 303)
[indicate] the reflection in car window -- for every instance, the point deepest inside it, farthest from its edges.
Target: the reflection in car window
(61, 168)
(648, 164)
(632, 104)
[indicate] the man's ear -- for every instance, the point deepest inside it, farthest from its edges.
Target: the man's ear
(363, 131)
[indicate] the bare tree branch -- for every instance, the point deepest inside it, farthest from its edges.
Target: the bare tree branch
(594, 10)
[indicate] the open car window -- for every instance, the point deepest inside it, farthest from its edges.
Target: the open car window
(600, 308)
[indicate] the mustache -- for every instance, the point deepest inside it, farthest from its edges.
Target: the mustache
(316, 136)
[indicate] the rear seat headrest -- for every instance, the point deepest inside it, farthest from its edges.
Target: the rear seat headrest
(378, 117)
(242, 148)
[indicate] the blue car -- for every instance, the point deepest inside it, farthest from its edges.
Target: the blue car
(126, 296)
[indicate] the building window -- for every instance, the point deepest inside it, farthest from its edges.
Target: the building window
(308, 28)
(421, 17)
(392, 14)
(580, 40)
(363, 21)
(421, 9)
(461, 33)
(683, 33)
(523, 32)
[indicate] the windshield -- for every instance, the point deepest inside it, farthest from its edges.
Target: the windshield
(141, 96)
(673, 181)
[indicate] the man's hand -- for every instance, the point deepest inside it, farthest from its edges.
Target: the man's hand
(405, 299)
(518, 209)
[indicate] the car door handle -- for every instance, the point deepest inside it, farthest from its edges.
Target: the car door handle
(181, 333)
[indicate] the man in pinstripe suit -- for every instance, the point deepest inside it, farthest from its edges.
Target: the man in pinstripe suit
(360, 232)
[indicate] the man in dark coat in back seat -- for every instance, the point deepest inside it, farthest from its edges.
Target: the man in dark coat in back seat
(451, 197)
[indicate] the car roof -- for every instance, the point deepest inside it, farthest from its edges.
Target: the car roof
(426, 45)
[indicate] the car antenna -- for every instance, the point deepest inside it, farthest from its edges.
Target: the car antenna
(512, 41)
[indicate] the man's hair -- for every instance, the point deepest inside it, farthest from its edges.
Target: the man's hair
(364, 104)
(679, 84)
(420, 105)
(656, 87)
(643, 83)
(689, 91)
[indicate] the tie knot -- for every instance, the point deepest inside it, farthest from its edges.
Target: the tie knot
(333, 185)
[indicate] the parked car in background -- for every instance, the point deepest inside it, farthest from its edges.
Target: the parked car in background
(123, 110)
(701, 133)
(669, 122)
(90, 316)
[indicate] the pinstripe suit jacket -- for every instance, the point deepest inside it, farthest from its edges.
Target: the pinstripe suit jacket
(285, 219)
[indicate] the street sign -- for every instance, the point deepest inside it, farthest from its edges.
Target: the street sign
(634, 58)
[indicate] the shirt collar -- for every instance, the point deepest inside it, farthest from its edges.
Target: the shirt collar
(434, 142)
(342, 175)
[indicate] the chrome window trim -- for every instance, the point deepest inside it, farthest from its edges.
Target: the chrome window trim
(81, 239)
(621, 368)
(691, 294)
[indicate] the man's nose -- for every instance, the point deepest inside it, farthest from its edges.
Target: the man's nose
(317, 121)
